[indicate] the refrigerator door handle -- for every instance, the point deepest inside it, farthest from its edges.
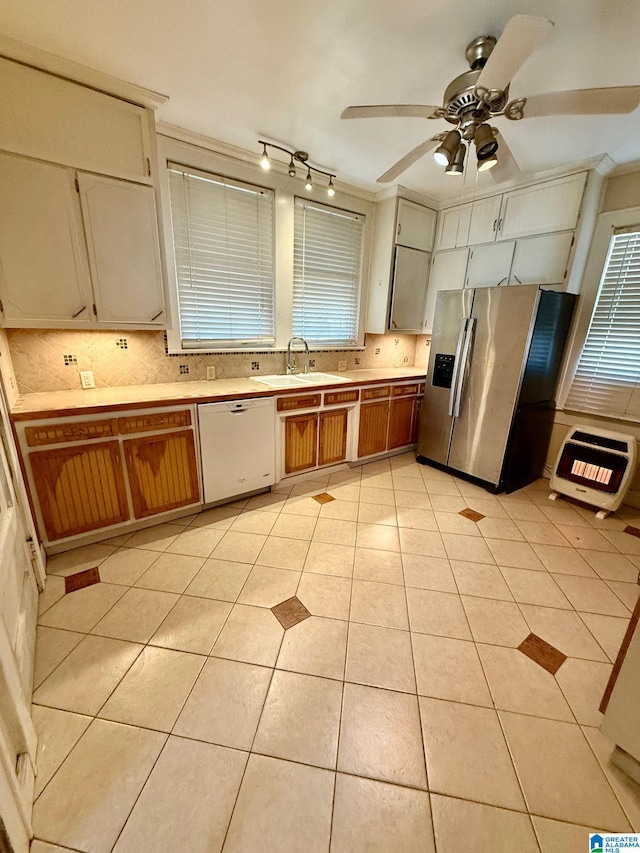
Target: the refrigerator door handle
(456, 366)
(463, 366)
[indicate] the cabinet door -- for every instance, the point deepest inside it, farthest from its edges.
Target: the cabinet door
(490, 265)
(448, 272)
(122, 239)
(485, 216)
(44, 273)
(410, 282)
(453, 227)
(79, 488)
(162, 471)
(49, 118)
(400, 422)
(416, 225)
(541, 260)
(374, 420)
(300, 442)
(333, 436)
(550, 206)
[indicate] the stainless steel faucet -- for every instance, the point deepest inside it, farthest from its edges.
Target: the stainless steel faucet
(291, 365)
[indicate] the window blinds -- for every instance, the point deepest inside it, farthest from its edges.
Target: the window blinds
(223, 238)
(607, 380)
(327, 261)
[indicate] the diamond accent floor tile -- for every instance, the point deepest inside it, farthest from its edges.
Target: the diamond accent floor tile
(323, 498)
(471, 514)
(632, 531)
(81, 579)
(290, 612)
(543, 653)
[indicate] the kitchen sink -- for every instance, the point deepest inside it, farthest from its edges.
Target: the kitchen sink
(300, 380)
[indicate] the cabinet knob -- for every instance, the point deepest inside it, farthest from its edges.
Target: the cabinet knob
(501, 280)
(495, 223)
(399, 228)
(155, 316)
(78, 313)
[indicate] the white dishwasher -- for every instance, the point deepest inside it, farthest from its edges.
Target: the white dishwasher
(237, 446)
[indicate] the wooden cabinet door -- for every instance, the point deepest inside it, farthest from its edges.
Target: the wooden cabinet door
(453, 227)
(300, 442)
(79, 488)
(490, 265)
(416, 225)
(550, 206)
(448, 272)
(44, 274)
(374, 420)
(485, 217)
(400, 422)
(541, 260)
(410, 282)
(121, 229)
(333, 436)
(162, 471)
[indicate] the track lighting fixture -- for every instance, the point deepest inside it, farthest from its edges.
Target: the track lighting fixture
(456, 166)
(444, 153)
(300, 157)
(486, 147)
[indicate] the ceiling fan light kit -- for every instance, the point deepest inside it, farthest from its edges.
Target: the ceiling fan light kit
(300, 157)
(481, 94)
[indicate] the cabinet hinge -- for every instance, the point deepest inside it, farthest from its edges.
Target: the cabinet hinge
(148, 166)
(95, 310)
(77, 183)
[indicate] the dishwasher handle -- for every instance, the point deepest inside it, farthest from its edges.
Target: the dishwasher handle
(237, 411)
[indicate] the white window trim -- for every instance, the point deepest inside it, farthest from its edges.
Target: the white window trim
(286, 189)
(602, 234)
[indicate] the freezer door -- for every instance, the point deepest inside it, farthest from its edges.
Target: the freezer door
(491, 378)
(453, 308)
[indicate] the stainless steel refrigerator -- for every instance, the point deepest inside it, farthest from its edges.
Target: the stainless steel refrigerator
(489, 395)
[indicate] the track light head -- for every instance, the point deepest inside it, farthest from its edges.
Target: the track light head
(485, 141)
(331, 190)
(264, 160)
(444, 153)
(292, 168)
(308, 183)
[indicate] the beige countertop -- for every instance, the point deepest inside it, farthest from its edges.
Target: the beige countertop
(56, 403)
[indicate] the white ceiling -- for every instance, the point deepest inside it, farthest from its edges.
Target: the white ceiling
(285, 69)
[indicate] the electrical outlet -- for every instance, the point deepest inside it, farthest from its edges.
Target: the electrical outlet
(211, 372)
(342, 365)
(86, 379)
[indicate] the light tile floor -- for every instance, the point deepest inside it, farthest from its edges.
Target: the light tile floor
(175, 715)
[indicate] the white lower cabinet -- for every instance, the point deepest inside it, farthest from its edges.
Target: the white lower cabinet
(490, 265)
(76, 249)
(448, 271)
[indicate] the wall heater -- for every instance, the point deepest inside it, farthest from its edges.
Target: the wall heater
(595, 466)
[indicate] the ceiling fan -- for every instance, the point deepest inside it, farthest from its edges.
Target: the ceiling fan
(482, 94)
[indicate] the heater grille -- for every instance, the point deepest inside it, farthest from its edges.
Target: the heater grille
(592, 467)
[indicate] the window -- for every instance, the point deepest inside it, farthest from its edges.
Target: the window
(224, 251)
(607, 380)
(327, 262)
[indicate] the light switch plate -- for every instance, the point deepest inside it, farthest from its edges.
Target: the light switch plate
(342, 365)
(211, 372)
(86, 379)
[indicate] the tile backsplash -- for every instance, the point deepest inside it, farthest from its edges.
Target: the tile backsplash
(50, 360)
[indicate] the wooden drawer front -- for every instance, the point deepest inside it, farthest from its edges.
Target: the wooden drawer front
(421, 389)
(63, 433)
(375, 393)
(404, 390)
(301, 442)
(333, 397)
(79, 488)
(310, 401)
(374, 418)
(155, 421)
(333, 436)
(163, 473)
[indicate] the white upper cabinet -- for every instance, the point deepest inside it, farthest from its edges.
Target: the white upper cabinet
(44, 275)
(485, 217)
(453, 227)
(490, 265)
(46, 117)
(409, 293)
(550, 206)
(415, 225)
(448, 272)
(541, 260)
(124, 255)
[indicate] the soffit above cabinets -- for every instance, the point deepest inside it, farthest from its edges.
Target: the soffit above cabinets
(285, 71)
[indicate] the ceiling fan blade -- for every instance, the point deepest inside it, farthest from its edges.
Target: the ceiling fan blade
(391, 110)
(408, 160)
(519, 39)
(617, 99)
(506, 168)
